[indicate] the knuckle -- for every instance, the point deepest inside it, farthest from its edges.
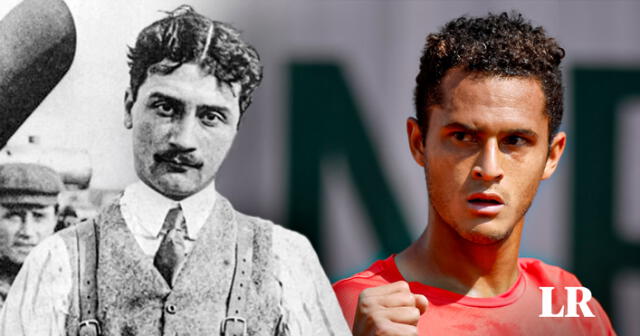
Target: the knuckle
(367, 303)
(363, 294)
(367, 293)
(408, 299)
(403, 285)
(363, 297)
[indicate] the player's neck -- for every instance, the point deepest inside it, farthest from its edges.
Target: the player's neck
(442, 258)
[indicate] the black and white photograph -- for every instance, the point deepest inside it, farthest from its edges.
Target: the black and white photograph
(304, 167)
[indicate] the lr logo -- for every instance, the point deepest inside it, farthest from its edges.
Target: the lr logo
(572, 302)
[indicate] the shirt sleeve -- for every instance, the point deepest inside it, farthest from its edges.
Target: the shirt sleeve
(310, 303)
(37, 303)
(604, 326)
(347, 291)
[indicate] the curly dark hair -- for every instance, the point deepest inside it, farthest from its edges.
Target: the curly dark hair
(496, 45)
(182, 37)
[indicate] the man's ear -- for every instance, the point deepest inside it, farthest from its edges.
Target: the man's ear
(128, 104)
(416, 141)
(555, 153)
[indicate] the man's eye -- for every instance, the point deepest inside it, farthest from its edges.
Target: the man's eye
(514, 140)
(164, 108)
(13, 216)
(211, 118)
(463, 136)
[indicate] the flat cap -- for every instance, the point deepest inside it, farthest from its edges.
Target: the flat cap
(29, 183)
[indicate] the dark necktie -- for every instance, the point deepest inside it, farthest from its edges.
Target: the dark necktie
(172, 250)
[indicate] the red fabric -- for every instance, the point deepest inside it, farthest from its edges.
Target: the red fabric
(512, 313)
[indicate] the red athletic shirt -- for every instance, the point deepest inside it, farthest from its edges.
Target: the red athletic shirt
(512, 313)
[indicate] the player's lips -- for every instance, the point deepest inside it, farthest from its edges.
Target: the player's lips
(485, 204)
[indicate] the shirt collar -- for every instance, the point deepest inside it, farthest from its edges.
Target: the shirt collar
(148, 208)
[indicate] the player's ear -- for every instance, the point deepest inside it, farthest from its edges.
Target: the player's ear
(128, 104)
(556, 148)
(416, 140)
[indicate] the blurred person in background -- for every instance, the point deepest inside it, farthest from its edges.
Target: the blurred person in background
(66, 218)
(28, 210)
(171, 255)
(489, 102)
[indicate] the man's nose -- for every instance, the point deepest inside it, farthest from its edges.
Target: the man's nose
(28, 228)
(183, 132)
(488, 166)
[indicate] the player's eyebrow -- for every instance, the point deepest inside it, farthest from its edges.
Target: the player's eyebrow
(459, 125)
(523, 131)
(520, 131)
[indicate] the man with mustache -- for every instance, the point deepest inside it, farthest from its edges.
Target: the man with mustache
(171, 256)
(28, 208)
(488, 102)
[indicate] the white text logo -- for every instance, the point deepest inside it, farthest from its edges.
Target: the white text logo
(572, 302)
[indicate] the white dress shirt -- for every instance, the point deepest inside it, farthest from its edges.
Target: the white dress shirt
(144, 211)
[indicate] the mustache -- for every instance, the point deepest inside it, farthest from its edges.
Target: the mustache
(180, 157)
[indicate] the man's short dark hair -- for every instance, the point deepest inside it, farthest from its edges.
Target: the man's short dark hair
(182, 37)
(496, 45)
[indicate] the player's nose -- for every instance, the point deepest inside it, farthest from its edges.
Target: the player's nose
(488, 166)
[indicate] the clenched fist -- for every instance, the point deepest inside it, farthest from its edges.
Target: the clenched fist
(389, 310)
